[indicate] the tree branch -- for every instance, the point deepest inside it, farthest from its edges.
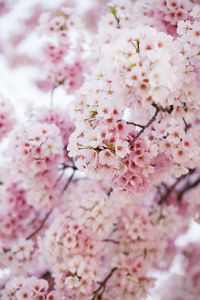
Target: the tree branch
(47, 276)
(187, 126)
(169, 190)
(111, 241)
(164, 198)
(68, 181)
(153, 118)
(41, 225)
(188, 187)
(62, 168)
(102, 285)
(144, 127)
(135, 124)
(110, 191)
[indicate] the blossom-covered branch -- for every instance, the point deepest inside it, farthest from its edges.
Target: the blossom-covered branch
(102, 285)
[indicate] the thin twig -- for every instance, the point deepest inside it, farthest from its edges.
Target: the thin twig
(169, 190)
(68, 181)
(153, 118)
(110, 191)
(187, 126)
(159, 190)
(135, 124)
(188, 187)
(132, 123)
(102, 285)
(41, 225)
(164, 198)
(60, 177)
(111, 241)
(146, 126)
(63, 168)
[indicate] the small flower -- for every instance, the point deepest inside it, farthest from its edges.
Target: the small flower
(72, 282)
(122, 148)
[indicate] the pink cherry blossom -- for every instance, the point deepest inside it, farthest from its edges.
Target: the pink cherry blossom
(99, 185)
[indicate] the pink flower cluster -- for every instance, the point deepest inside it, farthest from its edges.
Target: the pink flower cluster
(94, 207)
(174, 10)
(59, 70)
(134, 131)
(16, 215)
(74, 256)
(141, 74)
(36, 150)
(147, 234)
(32, 288)
(60, 118)
(7, 120)
(80, 249)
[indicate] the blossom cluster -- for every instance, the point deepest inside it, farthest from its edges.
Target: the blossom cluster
(22, 257)
(174, 11)
(60, 118)
(36, 150)
(7, 120)
(94, 197)
(59, 27)
(16, 215)
(80, 250)
(95, 207)
(27, 288)
(140, 71)
(73, 255)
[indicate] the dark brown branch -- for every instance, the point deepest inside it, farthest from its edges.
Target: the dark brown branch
(66, 166)
(102, 285)
(48, 277)
(164, 198)
(164, 185)
(167, 109)
(188, 187)
(111, 241)
(110, 191)
(132, 123)
(169, 190)
(60, 177)
(63, 168)
(187, 126)
(68, 181)
(45, 275)
(146, 126)
(159, 190)
(153, 118)
(41, 225)
(135, 124)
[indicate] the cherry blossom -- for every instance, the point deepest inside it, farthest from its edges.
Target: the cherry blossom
(7, 120)
(99, 187)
